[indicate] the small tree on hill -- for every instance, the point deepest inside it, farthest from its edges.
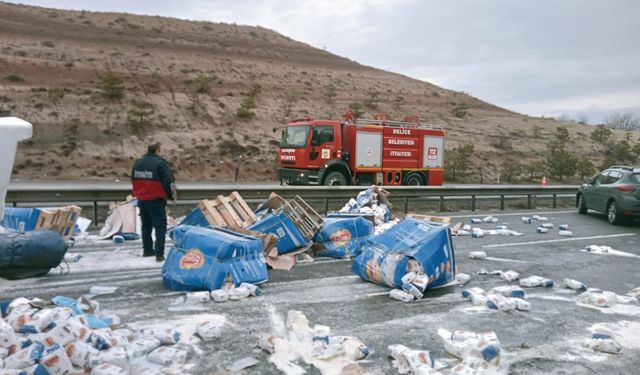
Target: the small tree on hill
(510, 171)
(624, 121)
(534, 170)
(457, 161)
(561, 162)
(601, 134)
(139, 116)
(585, 167)
(112, 86)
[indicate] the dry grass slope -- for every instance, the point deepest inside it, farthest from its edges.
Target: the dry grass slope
(98, 86)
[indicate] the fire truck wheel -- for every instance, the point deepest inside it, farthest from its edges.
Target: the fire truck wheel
(335, 179)
(414, 179)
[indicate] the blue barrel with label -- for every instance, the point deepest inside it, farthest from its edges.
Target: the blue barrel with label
(279, 224)
(342, 236)
(410, 246)
(207, 258)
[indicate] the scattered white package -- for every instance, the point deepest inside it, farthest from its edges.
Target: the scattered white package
(118, 356)
(409, 277)
(72, 257)
(476, 220)
(7, 335)
(78, 329)
(60, 334)
(478, 299)
(510, 276)
(267, 343)
(477, 233)
(209, 330)
(565, 233)
(467, 293)
(220, 295)
(599, 299)
(99, 290)
(253, 289)
(534, 281)
(57, 362)
(412, 289)
(604, 344)
(462, 278)
(25, 357)
(466, 227)
(401, 295)
(80, 353)
(142, 346)
(546, 225)
(239, 293)
(477, 255)
(522, 305)
(166, 356)
(421, 282)
(166, 336)
(575, 285)
(108, 369)
(194, 298)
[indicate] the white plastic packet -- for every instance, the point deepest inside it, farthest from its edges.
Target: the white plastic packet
(599, 299)
(510, 276)
(60, 334)
(239, 293)
(575, 285)
(118, 356)
(408, 277)
(167, 356)
(143, 346)
(535, 281)
(412, 289)
(209, 330)
(477, 255)
(7, 335)
(80, 353)
(421, 281)
(604, 344)
(254, 290)
(57, 362)
(166, 336)
(220, 295)
(401, 295)
(194, 298)
(462, 278)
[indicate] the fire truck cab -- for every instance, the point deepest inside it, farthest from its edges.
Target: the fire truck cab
(361, 152)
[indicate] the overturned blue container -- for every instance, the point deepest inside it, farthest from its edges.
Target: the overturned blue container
(279, 224)
(342, 236)
(411, 245)
(13, 216)
(206, 258)
(195, 218)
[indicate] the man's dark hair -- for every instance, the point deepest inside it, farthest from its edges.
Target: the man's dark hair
(152, 148)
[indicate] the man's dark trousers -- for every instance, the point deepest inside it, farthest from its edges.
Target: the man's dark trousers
(153, 216)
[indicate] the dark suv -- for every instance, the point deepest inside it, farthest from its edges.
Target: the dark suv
(615, 191)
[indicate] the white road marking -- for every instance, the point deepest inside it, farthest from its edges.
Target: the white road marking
(558, 240)
(517, 214)
(506, 260)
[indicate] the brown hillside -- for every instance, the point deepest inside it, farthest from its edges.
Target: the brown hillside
(196, 75)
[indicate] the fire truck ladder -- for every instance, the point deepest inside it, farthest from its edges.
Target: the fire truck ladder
(399, 124)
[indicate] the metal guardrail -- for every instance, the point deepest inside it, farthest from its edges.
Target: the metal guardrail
(102, 193)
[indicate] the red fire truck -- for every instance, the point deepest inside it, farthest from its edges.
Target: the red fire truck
(361, 152)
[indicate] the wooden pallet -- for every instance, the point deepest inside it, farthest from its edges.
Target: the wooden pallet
(60, 219)
(303, 216)
(435, 219)
(231, 211)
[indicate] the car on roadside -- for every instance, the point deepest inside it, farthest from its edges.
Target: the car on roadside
(614, 191)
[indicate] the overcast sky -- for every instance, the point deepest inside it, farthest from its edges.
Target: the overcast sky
(539, 57)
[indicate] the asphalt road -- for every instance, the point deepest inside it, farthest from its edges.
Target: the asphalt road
(545, 340)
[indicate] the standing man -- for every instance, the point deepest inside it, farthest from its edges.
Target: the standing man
(153, 184)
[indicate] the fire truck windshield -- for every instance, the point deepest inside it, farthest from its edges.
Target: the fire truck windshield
(295, 136)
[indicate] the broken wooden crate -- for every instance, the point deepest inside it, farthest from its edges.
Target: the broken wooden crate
(61, 220)
(230, 211)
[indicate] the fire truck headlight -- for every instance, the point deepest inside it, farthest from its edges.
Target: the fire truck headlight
(301, 174)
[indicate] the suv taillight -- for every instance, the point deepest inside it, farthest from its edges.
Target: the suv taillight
(627, 188)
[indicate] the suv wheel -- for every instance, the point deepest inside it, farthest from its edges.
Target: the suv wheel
(613, 214)
(582, 205)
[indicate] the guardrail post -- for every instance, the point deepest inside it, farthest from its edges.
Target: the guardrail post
(473, 203)
(501, 202)
(529, 202)
(326, 205)
(442, 203)
(405, 205)
(95, 213)
(15, 204)
(555, 201)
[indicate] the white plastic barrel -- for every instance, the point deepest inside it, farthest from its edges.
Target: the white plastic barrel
(12, 131)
